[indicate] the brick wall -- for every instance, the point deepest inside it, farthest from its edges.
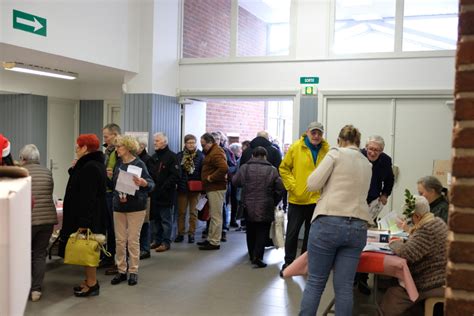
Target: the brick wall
(252, 35)
(206, 28)
(245, 118)
(460, 275)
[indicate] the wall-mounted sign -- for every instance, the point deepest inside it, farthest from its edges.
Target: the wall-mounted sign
(29, 23)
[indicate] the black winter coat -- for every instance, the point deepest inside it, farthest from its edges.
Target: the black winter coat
(164, 170)
(84, 200)
(274, 155)
(262, 189)
(382, 177)
(184, 176)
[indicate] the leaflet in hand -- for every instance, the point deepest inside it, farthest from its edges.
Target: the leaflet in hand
(375, 207)
(201, 202)
(125, 182)
(390, 222)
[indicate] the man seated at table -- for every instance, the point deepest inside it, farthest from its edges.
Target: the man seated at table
(425, 252)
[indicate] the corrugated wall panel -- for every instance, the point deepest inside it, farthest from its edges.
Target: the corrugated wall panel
(167, 118)
(308, 111)
(91, 118)
(136, 115)
(23, 120)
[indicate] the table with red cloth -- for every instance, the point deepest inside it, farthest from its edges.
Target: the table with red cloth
(370, 262)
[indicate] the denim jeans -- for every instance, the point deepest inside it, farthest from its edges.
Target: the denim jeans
(334, 242)
(163, 222)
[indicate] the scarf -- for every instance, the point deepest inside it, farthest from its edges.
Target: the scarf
(428, 217)
(188, 161)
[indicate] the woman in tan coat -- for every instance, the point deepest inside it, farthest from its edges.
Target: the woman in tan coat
(43, 215)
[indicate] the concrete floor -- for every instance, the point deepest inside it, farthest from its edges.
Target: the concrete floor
(183, 281)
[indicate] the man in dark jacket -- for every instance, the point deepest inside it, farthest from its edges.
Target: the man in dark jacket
(263, 140)
(145, 231)
(165, 172)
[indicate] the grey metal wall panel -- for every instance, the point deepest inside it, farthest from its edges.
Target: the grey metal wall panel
(23, 120)
(91, 118)
(308, 111)
(166, 117)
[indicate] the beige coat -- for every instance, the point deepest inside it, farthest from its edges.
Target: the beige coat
(344, 180)
(44, 211)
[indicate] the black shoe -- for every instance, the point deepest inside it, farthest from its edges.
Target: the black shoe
(224, 236)
(179, 238)
(92, 291)
(364, 287)
(132, 279)
(144, 254)
(210, 247)
(191, 239)
(234, 224)
(204, 234)
(202, 243)
(259, 263)
(119, 277)
(79, 287)
(283, 267)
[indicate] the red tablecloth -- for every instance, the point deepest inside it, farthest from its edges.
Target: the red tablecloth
(370, 262)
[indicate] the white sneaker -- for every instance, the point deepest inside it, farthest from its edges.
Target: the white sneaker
(35, 296)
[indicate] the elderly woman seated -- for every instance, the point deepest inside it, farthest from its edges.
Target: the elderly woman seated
(425, 252)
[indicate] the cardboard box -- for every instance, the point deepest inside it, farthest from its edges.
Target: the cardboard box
(15, 244)
(442, 171)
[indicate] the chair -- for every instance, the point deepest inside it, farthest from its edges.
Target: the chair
(430, 304)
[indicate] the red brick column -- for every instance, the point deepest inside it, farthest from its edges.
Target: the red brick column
(460, 273)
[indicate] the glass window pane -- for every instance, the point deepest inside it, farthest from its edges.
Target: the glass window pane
(263, 28)
(206, 28)
(430, 25)
(364, 26)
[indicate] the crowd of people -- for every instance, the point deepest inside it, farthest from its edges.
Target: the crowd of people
(328, 189)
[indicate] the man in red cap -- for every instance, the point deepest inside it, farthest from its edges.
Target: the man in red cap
(5, 157)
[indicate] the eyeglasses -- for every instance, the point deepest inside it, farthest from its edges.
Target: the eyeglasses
(374, 149)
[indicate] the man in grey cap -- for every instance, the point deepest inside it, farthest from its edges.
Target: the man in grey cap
(301, 159)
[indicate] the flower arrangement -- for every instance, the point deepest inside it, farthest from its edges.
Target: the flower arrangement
(409, 207)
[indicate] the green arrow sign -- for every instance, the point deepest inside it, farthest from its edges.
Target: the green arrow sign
(29, 23)
(309, 80)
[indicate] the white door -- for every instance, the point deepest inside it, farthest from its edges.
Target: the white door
(194, 120)
(62, 134)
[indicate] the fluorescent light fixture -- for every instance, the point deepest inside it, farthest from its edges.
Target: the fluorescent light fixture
(38, 70)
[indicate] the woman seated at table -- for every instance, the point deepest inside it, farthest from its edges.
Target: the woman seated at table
(432, 189)
(425, 252)
(339, 227)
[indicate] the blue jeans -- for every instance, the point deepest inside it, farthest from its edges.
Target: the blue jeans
(334, 242)
(163, 222)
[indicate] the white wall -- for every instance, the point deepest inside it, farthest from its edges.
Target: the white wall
(101, 32)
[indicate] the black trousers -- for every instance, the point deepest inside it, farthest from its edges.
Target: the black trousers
(233, 204)
(257, 235)
(40, 235)
(109, 226)
(297, 215)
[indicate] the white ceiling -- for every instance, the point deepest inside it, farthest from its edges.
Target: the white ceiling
(88, 72)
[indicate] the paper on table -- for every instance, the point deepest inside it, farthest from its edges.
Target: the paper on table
(378, 247)
(125, 182)
(135, 170)
(390, 221)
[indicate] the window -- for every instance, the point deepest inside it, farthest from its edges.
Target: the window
(371, 26)
(236, 28)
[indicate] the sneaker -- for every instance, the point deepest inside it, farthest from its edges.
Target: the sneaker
(364, 287)
(203, 243)
(224, 236)
(283, 267)
(179, 238)
(119, 277)
(35, 296)
(132, 279)
(144, 254)
(162, 248)
(191, 239)
(210, 247)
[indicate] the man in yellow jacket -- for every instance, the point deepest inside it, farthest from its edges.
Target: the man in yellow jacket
(302, 158)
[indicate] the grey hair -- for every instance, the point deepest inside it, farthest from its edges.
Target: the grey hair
(113, 128)
(263, 134)
(421, 205)
(162, 135)
(431, 183)
(376, 139)
(142, 140)
(30, 153)
(234, 147)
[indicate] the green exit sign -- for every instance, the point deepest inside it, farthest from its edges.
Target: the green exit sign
(309, 80)
(29, 23)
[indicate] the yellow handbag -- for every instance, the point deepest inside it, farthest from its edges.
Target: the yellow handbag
(83, 249)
